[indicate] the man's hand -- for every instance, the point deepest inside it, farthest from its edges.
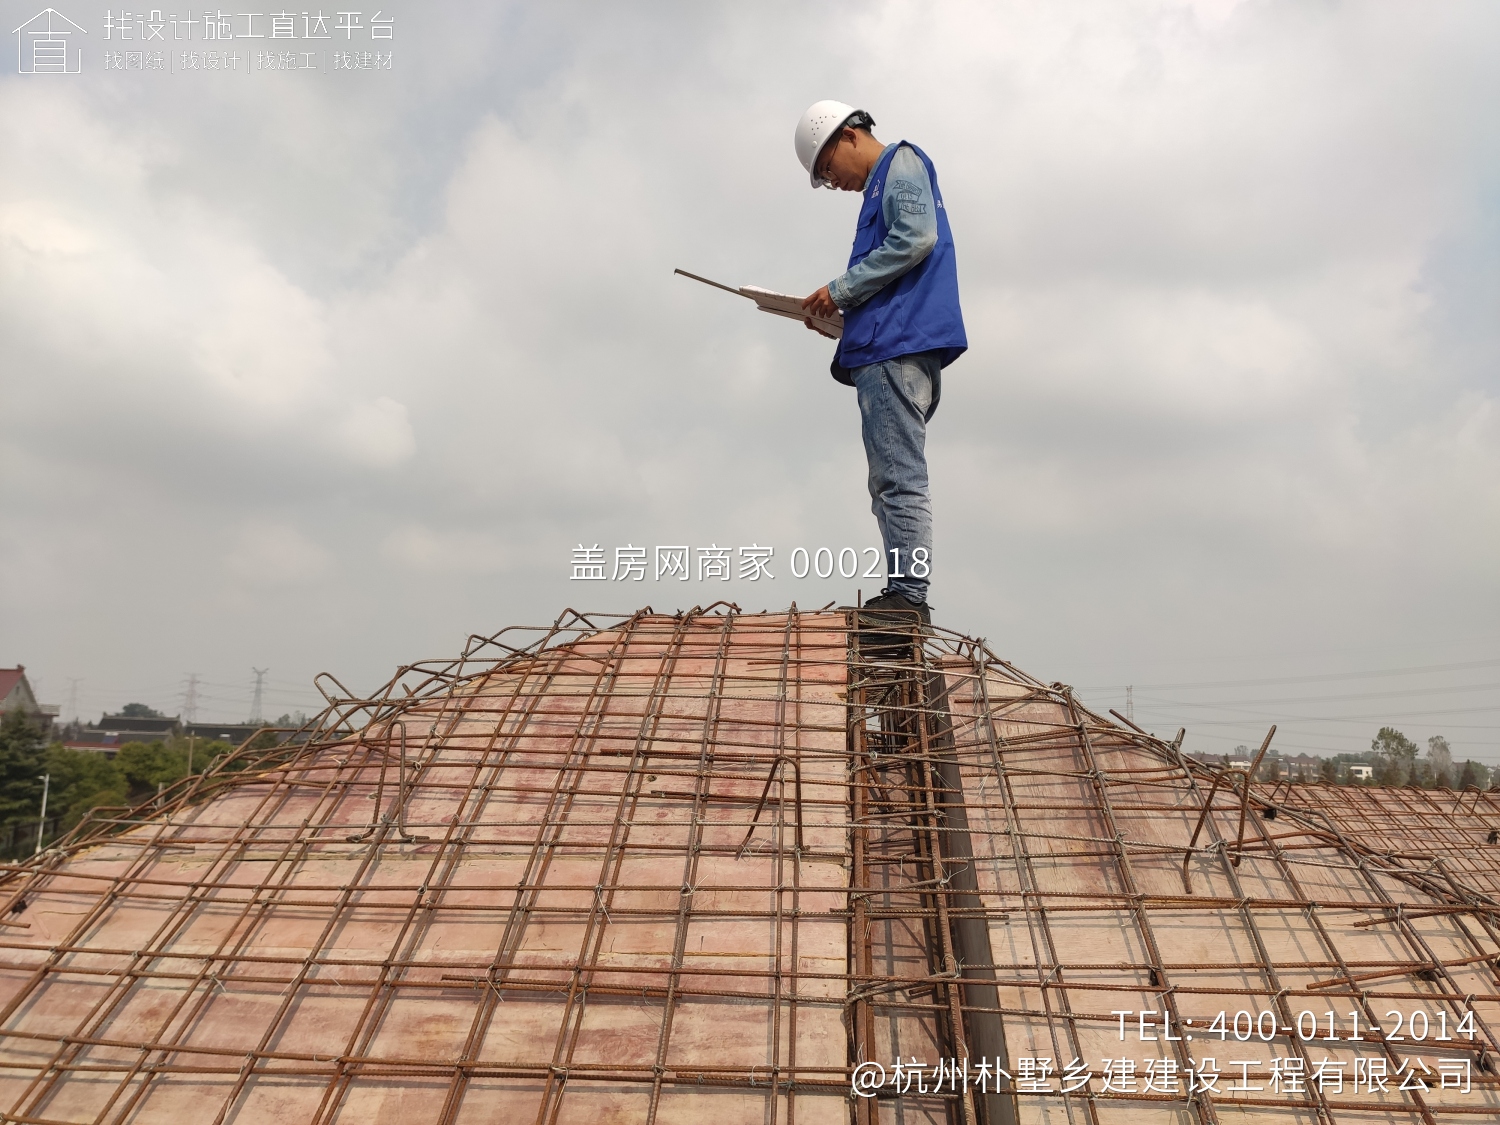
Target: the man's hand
(820, 304)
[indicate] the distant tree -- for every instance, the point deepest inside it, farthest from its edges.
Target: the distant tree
(262, 741)
(1473, 773)
(82, 780)
(1394, 749)
(1328, 771)
(1439, 754)
(140, 711)
(147, 765)
(22, 763)
(205, 752)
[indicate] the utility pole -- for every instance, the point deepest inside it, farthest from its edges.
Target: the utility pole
(190, 699)
(42, 824)
(1130, 703)
(73, 683)
(260, 679)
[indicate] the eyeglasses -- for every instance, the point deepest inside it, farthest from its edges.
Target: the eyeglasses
(823, 169)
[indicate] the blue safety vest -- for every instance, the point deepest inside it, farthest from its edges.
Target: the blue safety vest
(918, 312)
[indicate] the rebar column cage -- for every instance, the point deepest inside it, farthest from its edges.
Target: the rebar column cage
(707, 865)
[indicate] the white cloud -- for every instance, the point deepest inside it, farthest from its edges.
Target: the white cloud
(33, 226)
(421, 549)
(270, 555)
(378, 433)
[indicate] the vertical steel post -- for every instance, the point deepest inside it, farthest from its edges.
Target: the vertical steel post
(41, 825)
(971, 927)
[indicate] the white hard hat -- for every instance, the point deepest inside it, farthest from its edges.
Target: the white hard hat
(818, 126)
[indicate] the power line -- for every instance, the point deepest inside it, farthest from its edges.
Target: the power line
(1375, 717)
(1413, 671)
(1291, 699)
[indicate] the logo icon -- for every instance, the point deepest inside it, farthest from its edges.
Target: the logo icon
(47, 32)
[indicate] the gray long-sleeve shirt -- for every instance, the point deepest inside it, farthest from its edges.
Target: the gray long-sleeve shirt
(907, 208)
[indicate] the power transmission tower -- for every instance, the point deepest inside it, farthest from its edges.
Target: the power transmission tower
(260, 679)
(190, 699)
(73, 698)
(1130, 703)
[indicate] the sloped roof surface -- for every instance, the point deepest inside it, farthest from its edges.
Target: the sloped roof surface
(9, 679)
(704, 866)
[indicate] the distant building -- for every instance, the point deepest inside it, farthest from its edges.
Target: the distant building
(1361, 773)
(139, 728)
(96, 741)
(16, 695)
(113, 731)
(232, 733)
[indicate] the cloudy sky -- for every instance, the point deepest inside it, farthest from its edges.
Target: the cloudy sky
(328, 368)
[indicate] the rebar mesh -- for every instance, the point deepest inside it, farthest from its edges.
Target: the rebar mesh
(702, 866)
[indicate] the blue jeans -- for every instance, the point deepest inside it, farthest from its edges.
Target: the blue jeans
(896, 399)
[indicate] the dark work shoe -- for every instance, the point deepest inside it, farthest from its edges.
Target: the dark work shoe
(887, 623)
(897, 609)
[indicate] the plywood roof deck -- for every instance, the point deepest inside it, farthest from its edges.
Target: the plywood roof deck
(693, 867)
(1286, 906)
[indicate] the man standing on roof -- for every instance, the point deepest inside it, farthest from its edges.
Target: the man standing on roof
(902, 326)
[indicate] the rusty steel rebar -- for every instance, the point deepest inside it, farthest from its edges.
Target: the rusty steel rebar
(634, 862)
